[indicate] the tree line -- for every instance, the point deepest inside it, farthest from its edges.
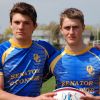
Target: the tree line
(54, 29)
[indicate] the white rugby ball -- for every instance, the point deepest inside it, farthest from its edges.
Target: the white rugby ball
(68, 93)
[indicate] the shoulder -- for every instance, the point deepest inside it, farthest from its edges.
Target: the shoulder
(95, 50)
(50, 49)
(56, 55)
(5, 45)
(44, 44)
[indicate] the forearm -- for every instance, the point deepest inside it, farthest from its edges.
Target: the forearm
(8, 96)
(90, 97)
(97, 98)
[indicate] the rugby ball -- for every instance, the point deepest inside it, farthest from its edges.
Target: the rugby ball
(68, 93)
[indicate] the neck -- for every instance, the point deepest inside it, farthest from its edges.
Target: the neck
(76, 48)
(21, 43)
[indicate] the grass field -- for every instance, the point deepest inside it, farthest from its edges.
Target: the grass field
(48, 86)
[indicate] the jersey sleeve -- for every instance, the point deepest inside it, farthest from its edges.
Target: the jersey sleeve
(51, 50)
(1, 69)
(3, 48)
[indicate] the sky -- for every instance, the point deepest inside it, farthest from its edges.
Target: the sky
(49, 10)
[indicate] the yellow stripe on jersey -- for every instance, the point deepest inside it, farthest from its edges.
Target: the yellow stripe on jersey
(52, 65)
(18, 45)
(78, 53)
(6, 53)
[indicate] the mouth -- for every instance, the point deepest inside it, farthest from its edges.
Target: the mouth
(20, 33)
(71, 38)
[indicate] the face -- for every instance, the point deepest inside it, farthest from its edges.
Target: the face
(72, 31)
(22, 27)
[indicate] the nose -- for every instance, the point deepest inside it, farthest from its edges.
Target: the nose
(21, 25)
(71, 30)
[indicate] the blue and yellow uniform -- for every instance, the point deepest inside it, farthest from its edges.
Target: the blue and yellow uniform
(23, 67)
(79, 70)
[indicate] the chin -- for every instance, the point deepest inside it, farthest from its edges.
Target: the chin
(72, 43)
(19, 38)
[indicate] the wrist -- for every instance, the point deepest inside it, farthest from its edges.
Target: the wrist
(28, 98)
(97, 98)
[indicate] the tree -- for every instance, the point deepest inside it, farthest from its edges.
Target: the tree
(7, 34)
(55, 36)
(54, 32)
(91, 37)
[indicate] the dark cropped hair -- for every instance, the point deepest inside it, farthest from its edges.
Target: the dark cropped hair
(24, 9)
(72, 13)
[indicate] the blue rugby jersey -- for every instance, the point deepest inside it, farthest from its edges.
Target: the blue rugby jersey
(80, 70)
(22, 67)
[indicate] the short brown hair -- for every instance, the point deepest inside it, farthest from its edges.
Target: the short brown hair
(25, 9)
(72, 13)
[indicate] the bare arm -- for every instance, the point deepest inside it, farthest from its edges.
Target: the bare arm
(90, 97)
(8, 96)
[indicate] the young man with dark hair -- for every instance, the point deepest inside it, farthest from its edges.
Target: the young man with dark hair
(23, 60)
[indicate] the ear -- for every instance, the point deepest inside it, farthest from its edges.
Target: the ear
(61, 31)
(35, 26)
(10, 25)
(83, 26)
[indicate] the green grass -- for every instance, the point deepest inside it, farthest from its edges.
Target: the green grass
(48, 86)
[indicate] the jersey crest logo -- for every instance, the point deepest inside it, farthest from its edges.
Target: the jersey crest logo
(36, 57)
(90, 70)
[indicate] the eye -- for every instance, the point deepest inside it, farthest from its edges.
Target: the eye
(67, 27)
(27, 22)
(75, 27)
(17, 22)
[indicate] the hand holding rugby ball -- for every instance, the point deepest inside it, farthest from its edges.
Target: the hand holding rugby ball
(68, 93)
